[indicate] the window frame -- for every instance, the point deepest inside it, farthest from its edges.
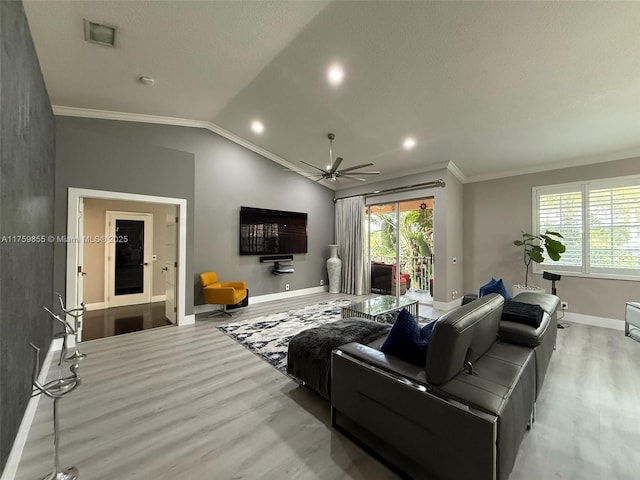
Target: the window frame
(584, 187)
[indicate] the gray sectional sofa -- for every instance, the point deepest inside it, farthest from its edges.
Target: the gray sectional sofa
(464, 413)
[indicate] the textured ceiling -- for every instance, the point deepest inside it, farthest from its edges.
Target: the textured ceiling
(495, 87)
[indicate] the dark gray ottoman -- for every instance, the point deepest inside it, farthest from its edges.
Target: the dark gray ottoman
(309, 355)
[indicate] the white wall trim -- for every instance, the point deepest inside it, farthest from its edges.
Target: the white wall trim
(204, 308)
(13, 461)
(579, 162)
(180, 122)
(74, 196)
(593, 321)
(102, 305)
(453, 168)
(290, 294)
(446, 306)
(95, 306)
(212, 127)
(185, 122)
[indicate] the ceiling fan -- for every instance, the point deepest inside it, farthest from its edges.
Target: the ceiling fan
(333, 173)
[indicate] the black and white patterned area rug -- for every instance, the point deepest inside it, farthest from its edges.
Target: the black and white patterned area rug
(268, 336)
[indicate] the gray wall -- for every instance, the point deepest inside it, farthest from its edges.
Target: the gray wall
(496, 211)
(447, 223)
(27, 139)
(85, 159)
(228, 176)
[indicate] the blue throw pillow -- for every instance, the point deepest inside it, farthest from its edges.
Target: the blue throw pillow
(494, 286)
(486, 288)
(407, 341)
(426, 331)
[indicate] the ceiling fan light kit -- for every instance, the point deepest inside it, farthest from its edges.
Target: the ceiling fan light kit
(332, 171)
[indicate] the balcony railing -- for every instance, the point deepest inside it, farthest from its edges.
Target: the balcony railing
(419, 268)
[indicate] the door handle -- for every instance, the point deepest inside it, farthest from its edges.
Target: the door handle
(165, 269)
(144, 264)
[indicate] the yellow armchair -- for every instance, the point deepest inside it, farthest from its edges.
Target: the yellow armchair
(221, 293)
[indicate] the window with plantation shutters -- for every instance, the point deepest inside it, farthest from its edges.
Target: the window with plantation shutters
(614, 229)
(562, 212)
(600, 223)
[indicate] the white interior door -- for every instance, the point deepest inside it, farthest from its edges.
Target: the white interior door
(129, 245)
(169, 269)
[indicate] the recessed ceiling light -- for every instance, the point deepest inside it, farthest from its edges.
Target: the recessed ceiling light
(257, 126)
(335, 75)
(408, 143)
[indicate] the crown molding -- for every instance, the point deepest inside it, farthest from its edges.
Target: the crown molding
(578, 162)
(180, 122)
(453, 168)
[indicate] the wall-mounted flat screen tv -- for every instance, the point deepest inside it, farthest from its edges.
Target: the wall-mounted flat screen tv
(272, 232)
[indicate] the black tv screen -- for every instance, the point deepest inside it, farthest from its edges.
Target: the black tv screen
(272, 232)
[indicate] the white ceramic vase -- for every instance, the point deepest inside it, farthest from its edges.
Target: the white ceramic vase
(334, 269)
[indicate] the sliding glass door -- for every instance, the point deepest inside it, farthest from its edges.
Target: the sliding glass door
(401, 234)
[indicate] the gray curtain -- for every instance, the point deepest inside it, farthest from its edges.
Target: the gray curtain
(351, 237)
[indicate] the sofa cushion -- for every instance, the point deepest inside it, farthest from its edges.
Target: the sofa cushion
(521, 312)
(494, 286)
(407, 340)
(549, 303)
(529, 335)
(463, 334)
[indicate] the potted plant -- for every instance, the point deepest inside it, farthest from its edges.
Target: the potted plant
(534, 248)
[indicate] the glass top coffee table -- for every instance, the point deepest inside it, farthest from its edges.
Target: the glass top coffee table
(379, 308)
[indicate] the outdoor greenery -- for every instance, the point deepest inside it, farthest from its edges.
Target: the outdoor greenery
(534, 248)
(415, 233)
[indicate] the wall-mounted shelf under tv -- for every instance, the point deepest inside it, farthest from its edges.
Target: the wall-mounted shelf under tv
(278, 268)
(276, 258)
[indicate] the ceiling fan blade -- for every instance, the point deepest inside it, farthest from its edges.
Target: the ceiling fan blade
(366, 173)
(354, 178)
(313, 166)
(356, 167)
(336, 164)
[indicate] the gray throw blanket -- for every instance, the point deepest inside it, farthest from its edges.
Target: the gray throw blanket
(309, 355)
(520, 312)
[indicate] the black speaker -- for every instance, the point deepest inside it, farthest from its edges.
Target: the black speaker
(551, 276)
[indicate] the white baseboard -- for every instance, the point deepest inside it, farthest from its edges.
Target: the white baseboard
(290, 294)
(207, 307)
(11, 467)
(197, 309)
(95, 306)
(446, 306)
(187, 320)
(102, 305)
(593, 321)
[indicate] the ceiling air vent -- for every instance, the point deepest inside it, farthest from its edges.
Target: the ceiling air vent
(100, 33)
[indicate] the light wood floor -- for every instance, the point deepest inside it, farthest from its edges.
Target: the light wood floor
(191, 403)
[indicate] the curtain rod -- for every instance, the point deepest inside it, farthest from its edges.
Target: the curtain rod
(436, 183)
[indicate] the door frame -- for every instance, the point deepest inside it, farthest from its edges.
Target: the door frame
(75, 196)
(109, 257)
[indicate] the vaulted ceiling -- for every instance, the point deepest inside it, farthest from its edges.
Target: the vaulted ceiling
(495, 87)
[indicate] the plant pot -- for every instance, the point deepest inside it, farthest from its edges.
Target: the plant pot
(516, 289)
